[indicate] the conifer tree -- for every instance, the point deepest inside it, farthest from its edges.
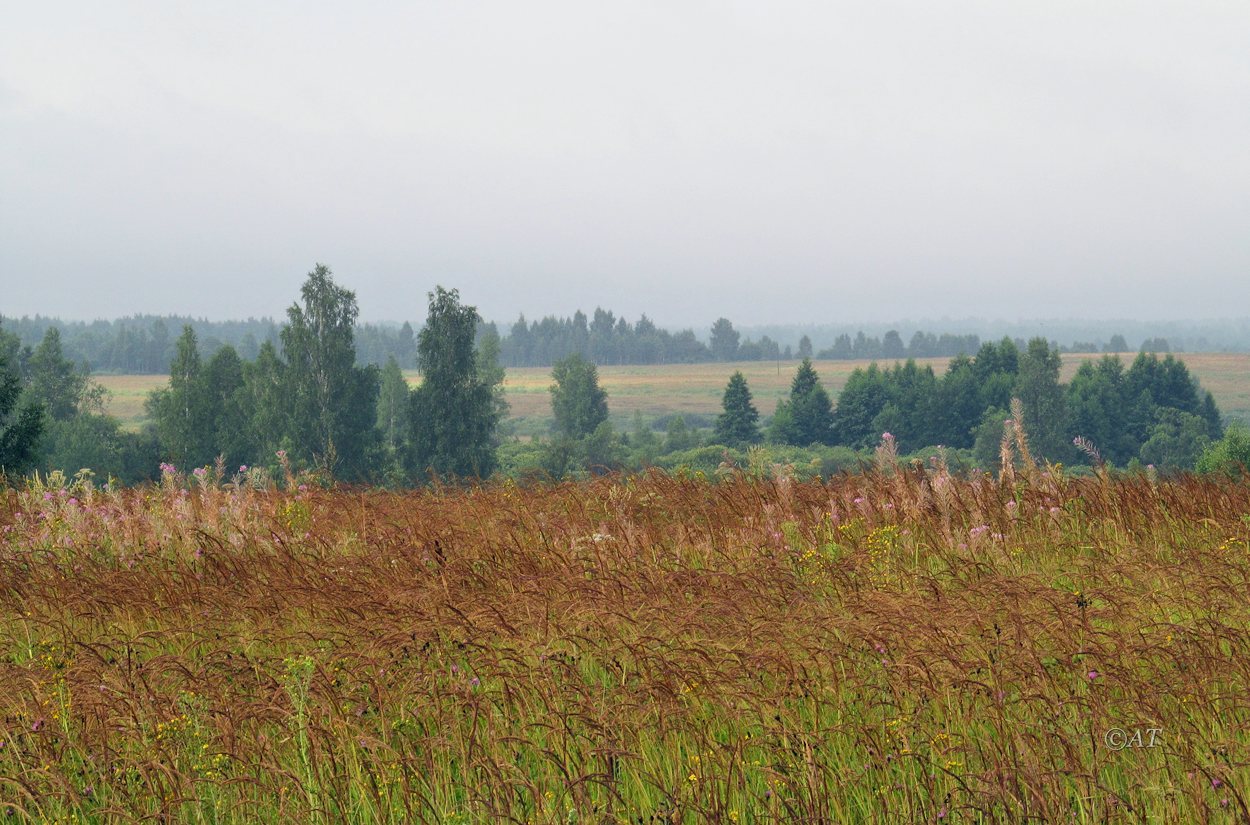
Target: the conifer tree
(739, 423)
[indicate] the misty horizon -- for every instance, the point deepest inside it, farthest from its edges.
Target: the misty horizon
(803, 163)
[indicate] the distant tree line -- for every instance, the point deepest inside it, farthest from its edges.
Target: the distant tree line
(146, 344)
(305, 400)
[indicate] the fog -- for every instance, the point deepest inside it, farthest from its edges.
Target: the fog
(769, 162)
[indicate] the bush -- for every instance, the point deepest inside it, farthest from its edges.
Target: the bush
(1230, 455)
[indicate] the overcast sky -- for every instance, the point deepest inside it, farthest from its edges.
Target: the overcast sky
(770, 161)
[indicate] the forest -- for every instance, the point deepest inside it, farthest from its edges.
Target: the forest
(305, 397)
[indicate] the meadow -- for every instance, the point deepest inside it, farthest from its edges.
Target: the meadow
(658, 390)
(895, 646)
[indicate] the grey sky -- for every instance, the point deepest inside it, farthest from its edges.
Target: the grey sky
(814, 162)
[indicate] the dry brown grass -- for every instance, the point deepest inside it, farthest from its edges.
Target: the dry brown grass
(902, 647)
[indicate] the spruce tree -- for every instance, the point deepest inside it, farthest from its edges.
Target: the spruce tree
(739, 423)
(811, 411)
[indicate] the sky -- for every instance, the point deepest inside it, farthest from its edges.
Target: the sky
(770, 162)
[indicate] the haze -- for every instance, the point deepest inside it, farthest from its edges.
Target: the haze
(770, 162)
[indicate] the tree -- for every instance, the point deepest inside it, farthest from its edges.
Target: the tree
(53, 381)
(805, 347)
(577, 401)
(453, 414)
(490, 368)
(406, 346)
(678, 436)
(223, 395)
(264, 400)
(393, 407)
(332, 401)
(724, 343)
(862, 399)
(1230, 455)
(739, 423)
(21, 425)
(957, 408)
(184, 420)
(1045, 413)
(810, 409)
(892, 345)
(643, 441)
(1098, 409)
(1176, 442)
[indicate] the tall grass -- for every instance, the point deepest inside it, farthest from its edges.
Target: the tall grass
(897, 646)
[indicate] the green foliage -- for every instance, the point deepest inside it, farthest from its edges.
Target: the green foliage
(490, 368)
(94, 442)
(454, 413)
(578, 402)
(643, 442)
(53, 381)
(1045, 413)
(182, 411)
(225, 395)
(738, 424)
(265, 389)
(810, 409)
(602, 449)
(1230, 455)
(1099, 409)
(862, 399)
(393, 409)
(957, 407)
(988, 436)
(21, 424)
(332, 402)
(781, 425)
(724, 341)
(1176, 440)
(679, 436)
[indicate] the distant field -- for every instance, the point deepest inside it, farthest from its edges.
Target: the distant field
(697, 388)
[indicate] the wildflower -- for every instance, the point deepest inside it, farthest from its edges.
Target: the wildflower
(242, 468)
(281, 453)
(475, 681)
(1216, 782)
(1093, 674)
(200, 472)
